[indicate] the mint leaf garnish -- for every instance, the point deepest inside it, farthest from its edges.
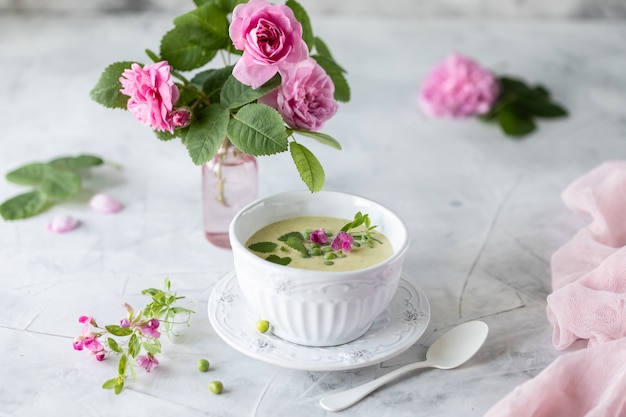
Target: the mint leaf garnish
(263, 247)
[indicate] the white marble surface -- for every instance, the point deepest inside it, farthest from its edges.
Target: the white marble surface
(484, 212)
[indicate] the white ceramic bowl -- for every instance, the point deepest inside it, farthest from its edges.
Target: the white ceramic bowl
(316, 308)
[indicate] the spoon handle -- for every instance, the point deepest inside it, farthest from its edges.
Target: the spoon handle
(344, 399)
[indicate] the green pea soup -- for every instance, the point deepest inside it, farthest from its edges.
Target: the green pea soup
(358, 258)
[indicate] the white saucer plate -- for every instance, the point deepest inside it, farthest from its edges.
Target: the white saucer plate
(396, 329)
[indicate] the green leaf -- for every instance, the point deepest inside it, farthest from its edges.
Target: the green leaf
(107, 90)
(263, 247)
(278, 260)
(30, 174)
(515, 123)
(308, 166)
(153, 347)
(286, 236)
(165, 135)
(235, 94)
(258, 130)
(206, 26)
(134, 346)
(113, 345)
(76, 162)
(211, 81)
(302, 17)
(59, 184)
(154, 57)
(184, 50)
(335, 72)
(207, 133)
(119, 386)
(121, 366)
(116, 330)
(23, 206)
(320, 137)
(295, 243)
(110, 383)
(544, 109)
(322, 50)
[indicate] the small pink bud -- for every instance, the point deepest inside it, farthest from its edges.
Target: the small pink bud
(105, 203)
(100, 355)
(62, 224)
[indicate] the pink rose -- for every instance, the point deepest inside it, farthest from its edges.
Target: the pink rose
(269, 36)
(152, 94)
(458, 87)
(305, 98)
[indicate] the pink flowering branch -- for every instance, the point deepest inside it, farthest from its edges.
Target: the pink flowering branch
(136, 338)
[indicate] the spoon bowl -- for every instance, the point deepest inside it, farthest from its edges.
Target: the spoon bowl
(451, 350)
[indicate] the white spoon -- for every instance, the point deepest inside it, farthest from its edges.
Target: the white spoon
(452, 349)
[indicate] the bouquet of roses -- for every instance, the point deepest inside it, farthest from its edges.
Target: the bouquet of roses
(284, 81)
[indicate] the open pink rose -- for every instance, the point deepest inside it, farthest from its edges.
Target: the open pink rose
(269, 36)
(152, 94)
(458, 87)
(305, 98)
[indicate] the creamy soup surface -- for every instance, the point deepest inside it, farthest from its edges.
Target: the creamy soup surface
(358, 258)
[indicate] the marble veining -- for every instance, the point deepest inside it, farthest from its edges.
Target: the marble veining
(484, 212)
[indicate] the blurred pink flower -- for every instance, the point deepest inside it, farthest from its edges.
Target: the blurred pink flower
(105, 203)
(152, 94)
(305, 98)
(62, 224)
(342, 241)
(270, 37)
(147, 362)
(181, 117)
(318, 236)
(458, 87)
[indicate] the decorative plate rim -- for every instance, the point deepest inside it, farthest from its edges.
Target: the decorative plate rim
(399, 327)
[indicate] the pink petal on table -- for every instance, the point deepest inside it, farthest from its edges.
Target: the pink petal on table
(62, 224)
(105, 203)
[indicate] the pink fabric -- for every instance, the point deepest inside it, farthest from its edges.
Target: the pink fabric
(589, 303)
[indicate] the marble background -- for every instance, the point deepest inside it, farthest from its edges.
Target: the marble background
(400, 8)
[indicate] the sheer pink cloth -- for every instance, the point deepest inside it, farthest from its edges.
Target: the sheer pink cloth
(589, 303)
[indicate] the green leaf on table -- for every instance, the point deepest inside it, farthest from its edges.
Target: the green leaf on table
(278, 260)
(302, 17)
(514, 122)
(258, 130)
(134, 346)
(23, 206)
(153, 346)
(184, 50)
(320, 137)
(77, 162)
(59, 184)
(335, 72)
(235, 94)
(116, 330)
(114, 346)
(122, 364)
(207, 133)
(107, 90)
(110, 384)
(263, 247)
(30, 174)
(544, 109)
(308, 166)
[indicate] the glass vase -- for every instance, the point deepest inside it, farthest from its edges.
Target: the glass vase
(229, 182)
